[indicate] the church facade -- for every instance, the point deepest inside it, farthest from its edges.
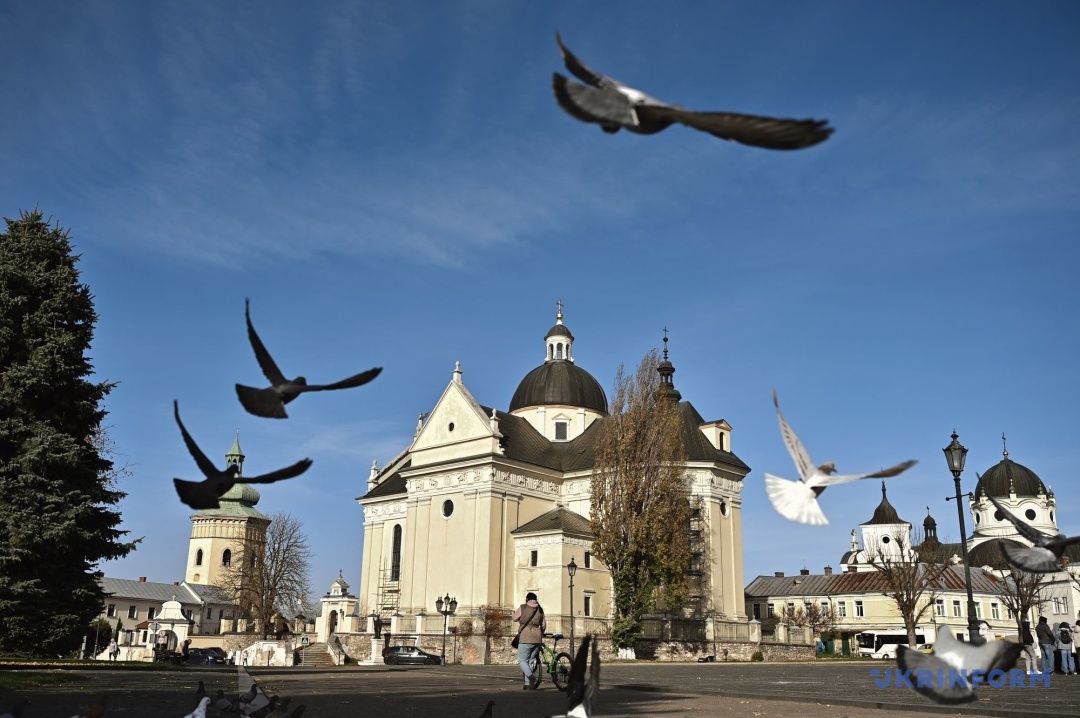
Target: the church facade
(487, 504)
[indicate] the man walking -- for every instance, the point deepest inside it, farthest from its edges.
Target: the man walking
(1046, 645)
(1028, 642)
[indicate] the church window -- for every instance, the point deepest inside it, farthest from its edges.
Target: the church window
(977, 518)
(885, 539)
(1030, 513)
(560, 431)
(198, 557)
(859, 609)
(588, 605)
(133, 611)
(226, 558)
(533, 557)
(395, 555)
(447, 508)
(588, 559)
(551, 351)
(1051, 517)
(196, 578)
(451, 427)
(723, 508)
(558, 350)
(111, 612)
(998, 516)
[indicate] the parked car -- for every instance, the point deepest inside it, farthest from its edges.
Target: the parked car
(398, 655)
(204, 656)
(219, 652)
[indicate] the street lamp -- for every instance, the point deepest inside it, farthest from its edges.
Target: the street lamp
(956, 455)
(571, 568)
(445, 606)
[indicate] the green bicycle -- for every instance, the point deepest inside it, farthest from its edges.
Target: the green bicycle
(557, 664)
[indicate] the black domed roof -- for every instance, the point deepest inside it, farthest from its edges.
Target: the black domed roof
(559, 382)
(988, 553)
(559, 330)
(998, 478)
(885, 513)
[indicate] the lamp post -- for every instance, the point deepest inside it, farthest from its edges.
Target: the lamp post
(445, 606)
(571, 568)
(956, 455)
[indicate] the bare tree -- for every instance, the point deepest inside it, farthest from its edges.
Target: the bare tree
(812, 616)
(640, 514)
(269, 579)
(1020, 591)
(911, 577)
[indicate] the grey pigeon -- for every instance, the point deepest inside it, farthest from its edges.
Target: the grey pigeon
(1044, 556)
(16, 710)
(270, 402)
(583, 685)
(205, 494)
(953, 658)
(615, 106)
(797, 500)
(250, 695)
(223, 704)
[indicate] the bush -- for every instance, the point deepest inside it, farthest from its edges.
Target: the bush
(757, 656)
(625, 632)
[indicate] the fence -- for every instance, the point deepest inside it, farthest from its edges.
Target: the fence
(676, 629)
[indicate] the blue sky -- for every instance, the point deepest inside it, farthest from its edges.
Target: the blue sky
(393, 185)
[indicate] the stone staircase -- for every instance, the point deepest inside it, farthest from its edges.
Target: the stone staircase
(316, 655)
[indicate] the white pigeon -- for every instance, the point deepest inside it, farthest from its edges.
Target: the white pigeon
(960, 658)
(582, 688)
(1044, 556)
(797, 500)
(200, 712)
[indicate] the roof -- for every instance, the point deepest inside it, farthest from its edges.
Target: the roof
(698, 446)
(884, 513)
(559, 382)
(559, 519)
(161, 592)
(860, 582)
(1007, 477)
(559, 330)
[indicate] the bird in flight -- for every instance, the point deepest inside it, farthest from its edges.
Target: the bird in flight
(612, 105)
(582, 687)
(798, 500)
(1044, 556)
(205, 494)
(946, 675)
(270, 402)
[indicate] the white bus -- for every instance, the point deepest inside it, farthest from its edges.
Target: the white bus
(882, 644)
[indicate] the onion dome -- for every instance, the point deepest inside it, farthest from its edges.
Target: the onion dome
(885, 513)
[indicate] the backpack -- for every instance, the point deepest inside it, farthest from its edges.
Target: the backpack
(1065, 635)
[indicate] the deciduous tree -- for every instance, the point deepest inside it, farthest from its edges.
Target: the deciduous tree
(640, 510)
(57, 515)
(911, 576)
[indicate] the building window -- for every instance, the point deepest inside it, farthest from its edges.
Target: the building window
(447, 508)
(209, 614)
(588, 559)
(588, 605)
(978, 609)
(859, 609)
(1058, 607)
(841, 609)
(133, 611)
(533, 556)
(995, 611)
(824, 606)
(560, 431)
(939, 607)
(226, 558)
(142, 638)
(770, 610)
(757, 611)
(198, 557)
(956, 609)
(395, 555)
(558, 350)
(150, 614)
(111, 610)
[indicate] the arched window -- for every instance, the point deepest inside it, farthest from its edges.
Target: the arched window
(395, 556)
(558, 350)
(226, 558)
(198, 557)
(551, 351)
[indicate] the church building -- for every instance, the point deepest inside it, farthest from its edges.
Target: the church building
(487, 504)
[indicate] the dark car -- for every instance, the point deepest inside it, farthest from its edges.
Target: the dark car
(398, 655)
(204, 656)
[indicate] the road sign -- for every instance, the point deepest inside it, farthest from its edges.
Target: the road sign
(304, 641)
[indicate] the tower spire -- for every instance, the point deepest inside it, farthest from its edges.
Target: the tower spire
(235, 456)
(666, 370)
(558, 341)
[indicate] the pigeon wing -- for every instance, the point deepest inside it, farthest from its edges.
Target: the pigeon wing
(205, 465)
(261, 402)
(266, 362)
(1032, 560)
(794, 500)
(822, 479)
(579, 70)
(357, 380)
(287, 473)
(1004, 655)
(910, 659)
(1030, 533)
(592, 684)
(198, 495)
(795, 447)
(578, 688)
(603, 106)
(756, 131)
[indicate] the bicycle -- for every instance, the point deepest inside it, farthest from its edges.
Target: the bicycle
(557, 664)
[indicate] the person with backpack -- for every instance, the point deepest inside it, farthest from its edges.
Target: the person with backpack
(1064, 642)
(1046, 644)
(531, 634)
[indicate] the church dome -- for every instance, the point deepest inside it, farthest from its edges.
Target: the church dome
(885, 513)
(1008, 477)
(562, 383)
(242, 494)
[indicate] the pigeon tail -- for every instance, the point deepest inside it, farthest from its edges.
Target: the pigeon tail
(794, 500)
(914, 660)
(261, 402)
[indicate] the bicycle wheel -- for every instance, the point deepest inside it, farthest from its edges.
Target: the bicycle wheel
(560, 673)
(537, 670)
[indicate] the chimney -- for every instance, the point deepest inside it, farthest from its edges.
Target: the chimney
(779, 574)
(804, 572)
(142, 579)
(176, 583)
(828, 570)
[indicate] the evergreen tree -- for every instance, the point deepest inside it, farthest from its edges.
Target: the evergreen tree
(56, 517)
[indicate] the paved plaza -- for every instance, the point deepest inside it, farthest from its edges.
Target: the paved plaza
(805, 690)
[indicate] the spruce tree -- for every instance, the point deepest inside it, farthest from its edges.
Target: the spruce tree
(57, 515)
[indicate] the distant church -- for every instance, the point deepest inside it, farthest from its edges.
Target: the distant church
(488, 504)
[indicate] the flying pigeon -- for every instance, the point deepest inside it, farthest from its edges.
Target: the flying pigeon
(1044, 556)
(582, 688)
(205, 494)
(797, 500)
(955, 659)
(200, 710)
(270, 402)
(614, 106)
